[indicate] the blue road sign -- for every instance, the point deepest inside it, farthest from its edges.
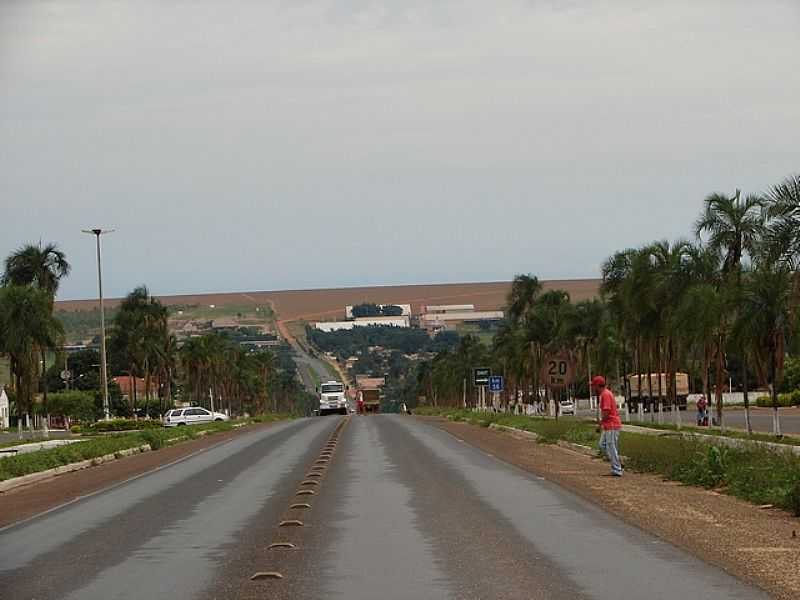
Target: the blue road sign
(496, 383)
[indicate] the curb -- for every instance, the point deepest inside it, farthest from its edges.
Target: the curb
(515, 432)
(10, 484)
(581, 449)
(719, 440)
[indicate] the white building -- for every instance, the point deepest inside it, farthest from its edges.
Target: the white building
(329, 326)
(450, 308)
(5, 415)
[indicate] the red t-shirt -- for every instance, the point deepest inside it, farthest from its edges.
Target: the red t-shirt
(609, 404)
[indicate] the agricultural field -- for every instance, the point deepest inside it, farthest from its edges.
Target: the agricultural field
(292, 305)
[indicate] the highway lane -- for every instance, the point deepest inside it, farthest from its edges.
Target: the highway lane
(399, 509)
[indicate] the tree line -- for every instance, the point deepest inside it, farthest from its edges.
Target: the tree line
(141, 347)
(725, 297)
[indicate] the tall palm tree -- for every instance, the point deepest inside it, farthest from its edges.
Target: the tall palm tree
(26, 326)
(783, 232)
(735, 228)
(40, 266)
(768, 304)
(43, 267)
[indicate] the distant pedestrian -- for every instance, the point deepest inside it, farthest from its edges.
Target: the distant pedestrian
(610, 424)
(702, 411)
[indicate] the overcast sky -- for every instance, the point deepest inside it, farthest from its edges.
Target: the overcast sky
(311, 143)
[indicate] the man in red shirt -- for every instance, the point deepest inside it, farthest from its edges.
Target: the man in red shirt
(610, 424)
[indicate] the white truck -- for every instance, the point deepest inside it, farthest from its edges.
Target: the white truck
(332, 398)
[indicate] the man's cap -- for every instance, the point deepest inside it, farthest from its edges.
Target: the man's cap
(599, 381)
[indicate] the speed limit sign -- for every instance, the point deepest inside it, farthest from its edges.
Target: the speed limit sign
(558, 371)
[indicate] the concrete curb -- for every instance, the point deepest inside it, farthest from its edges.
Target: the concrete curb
(10, 484)
(581, 449)
(516, 432)
(713, 439)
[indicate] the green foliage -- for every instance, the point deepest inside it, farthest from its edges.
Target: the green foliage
(784, 400)
(76, 405)
(791, 375)
(24, 464)
(355, 341)
(121, 425)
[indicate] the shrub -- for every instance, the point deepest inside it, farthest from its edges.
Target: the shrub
(783, 400)
(122, 425)
(75, 428)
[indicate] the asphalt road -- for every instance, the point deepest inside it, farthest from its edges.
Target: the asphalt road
(399, 510)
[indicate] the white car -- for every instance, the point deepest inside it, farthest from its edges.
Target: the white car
(566, 407)
(192, 416)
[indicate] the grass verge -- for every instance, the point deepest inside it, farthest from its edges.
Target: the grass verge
(95, 447)
(757, 474)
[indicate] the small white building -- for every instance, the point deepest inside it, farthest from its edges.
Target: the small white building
(449, 308)
(5, 415)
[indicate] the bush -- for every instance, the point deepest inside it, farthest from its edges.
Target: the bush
(784, 400)
(75, 428)
(122, 425)
(24, 464)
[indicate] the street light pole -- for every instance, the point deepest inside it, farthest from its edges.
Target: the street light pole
(103, 367)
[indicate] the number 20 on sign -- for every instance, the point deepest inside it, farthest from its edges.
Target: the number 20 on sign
(558, 372)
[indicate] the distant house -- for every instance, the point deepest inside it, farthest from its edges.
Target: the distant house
(126, 385)
(5, 414)
(225, 324)
(437, 318)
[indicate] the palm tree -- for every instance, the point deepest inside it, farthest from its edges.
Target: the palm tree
(769, 307)
(783, 233)
(140, 336)
(27, 326)
(42, 267)
(734, 227)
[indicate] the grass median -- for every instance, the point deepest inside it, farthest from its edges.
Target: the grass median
(758, 474)
(112, 443)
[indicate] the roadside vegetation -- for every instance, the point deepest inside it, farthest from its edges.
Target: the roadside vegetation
(721, 305)
(753, 473)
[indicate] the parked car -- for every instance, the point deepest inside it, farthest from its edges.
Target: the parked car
(192, 416)
(567, 407)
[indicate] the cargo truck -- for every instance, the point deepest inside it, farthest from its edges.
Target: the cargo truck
(332, 398)
(640, 390)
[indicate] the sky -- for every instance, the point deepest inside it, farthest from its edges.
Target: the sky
(284, 144)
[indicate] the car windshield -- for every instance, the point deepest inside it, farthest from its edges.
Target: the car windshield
(332, 388)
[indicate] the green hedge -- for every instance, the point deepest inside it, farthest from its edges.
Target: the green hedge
(121, 425)
(33, 462)
(784, 400)
(755, 474)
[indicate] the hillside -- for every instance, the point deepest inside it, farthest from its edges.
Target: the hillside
(329, 303)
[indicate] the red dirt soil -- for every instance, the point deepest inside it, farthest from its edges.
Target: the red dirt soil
(291, 305)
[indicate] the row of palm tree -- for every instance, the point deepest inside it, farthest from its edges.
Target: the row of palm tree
(28, 328)
(141, 345)
(217, 370)
(732, 291)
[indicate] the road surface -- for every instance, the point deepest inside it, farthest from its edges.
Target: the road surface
(400, 509)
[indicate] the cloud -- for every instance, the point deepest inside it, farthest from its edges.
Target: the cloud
(313, 143)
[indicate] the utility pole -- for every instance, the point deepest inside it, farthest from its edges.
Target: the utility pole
(103, 366)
